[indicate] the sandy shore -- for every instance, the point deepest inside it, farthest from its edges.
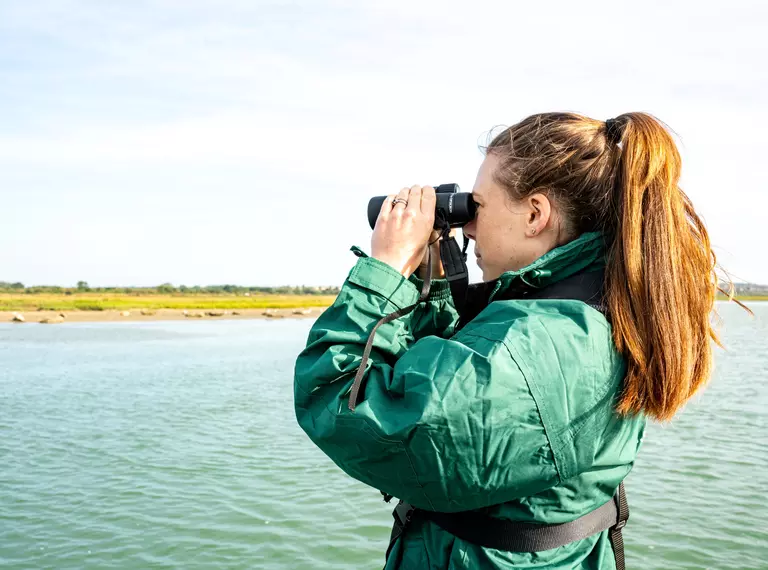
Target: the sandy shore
(58, 317)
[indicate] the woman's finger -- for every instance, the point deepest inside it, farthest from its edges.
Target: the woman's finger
(386, 206)
(401, 201)
(414, 200)
(428, 200)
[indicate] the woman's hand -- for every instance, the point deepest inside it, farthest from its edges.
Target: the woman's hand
(402, 230)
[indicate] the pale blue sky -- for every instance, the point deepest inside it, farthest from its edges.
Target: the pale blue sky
(199, 142)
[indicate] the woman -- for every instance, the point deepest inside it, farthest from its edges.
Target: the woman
(534, 409)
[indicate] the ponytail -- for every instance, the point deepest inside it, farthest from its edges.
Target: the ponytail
(620, 177)
(660, 274)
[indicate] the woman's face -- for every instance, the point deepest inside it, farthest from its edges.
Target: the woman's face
(508, 234)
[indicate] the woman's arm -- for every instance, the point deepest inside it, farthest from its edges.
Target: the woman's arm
(437, 315)
(445, 424)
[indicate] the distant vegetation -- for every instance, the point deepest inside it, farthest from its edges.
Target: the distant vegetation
(746, 291)
(167, 288)
(104, 302)
(17, 297)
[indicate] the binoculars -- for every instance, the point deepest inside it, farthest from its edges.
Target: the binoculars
(452, 207)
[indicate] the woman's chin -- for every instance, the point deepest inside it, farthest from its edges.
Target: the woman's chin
(479, 263)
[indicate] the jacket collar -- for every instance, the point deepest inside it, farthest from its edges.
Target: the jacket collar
(587, 252)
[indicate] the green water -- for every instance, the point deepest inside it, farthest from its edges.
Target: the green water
(174, 445)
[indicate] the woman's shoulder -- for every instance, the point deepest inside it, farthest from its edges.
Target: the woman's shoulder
(550, 338)
(559, 342)
(565, 351)
(521, 321)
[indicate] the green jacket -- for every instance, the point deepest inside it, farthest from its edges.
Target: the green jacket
(513, 414)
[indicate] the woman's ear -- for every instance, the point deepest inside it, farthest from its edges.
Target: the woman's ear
(539, 212)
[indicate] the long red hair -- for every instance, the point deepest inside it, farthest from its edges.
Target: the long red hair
(622, 179)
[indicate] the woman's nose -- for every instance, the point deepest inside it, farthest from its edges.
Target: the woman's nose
(469, 230)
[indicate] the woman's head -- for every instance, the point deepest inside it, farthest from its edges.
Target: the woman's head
(554, 176)
(544, 181)
(509, 231)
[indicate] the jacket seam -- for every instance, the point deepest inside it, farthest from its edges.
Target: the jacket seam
(573, 431)
(543, 411)
(355, 421)
(376, 266)
(578, 303)
(361, 282)
(537, 400)
(371, 431)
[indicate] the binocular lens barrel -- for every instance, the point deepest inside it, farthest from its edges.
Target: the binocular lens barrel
(457, 208)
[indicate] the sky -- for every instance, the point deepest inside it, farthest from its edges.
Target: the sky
(210, 142)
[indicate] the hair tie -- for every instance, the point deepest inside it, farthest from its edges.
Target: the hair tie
(613, 131)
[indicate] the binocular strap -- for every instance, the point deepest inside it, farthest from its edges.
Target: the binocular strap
(455, 266)
(357, 384)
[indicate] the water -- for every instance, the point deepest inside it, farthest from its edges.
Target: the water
(174, 445)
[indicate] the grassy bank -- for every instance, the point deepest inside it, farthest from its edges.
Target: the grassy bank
(103, 302)
(120, 302)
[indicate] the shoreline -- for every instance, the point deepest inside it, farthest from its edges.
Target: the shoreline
(141, 315)
(146, 315)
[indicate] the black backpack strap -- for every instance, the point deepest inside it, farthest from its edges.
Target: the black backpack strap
(516, 536)
(403, 514)
(617, 540)
(585, 287)
(475, 301)
(455, 267)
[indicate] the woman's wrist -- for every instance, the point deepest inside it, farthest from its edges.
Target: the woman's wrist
(437, 267)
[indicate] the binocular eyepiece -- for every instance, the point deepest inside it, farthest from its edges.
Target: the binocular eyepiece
(455, 207)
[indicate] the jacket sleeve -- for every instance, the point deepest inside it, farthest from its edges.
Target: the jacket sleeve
(444, 424)
(437, 315)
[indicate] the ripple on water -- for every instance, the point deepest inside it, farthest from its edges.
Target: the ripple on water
(175, 445)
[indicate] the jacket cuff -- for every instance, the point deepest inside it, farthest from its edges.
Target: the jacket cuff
(383, 279)
(439, 289)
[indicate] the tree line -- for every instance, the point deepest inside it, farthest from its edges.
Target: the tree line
(169, 289)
